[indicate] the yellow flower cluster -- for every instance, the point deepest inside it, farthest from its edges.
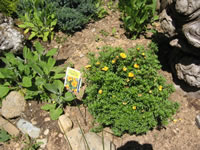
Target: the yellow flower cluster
(123, 55)
(105, 68)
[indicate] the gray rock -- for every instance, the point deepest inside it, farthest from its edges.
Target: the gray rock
(27, 128)
(13, 105)
(65, 123)
(95, 142)
(197, 119)
(10, 128)
(10, 38)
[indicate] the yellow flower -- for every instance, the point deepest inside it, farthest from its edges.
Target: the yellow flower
(160, 88)
(69, 78)
(53, 102)
(74, 83)
(67, 86)
(127, 80)
(139, 95)
(134, 107)
(123, 55)
(136, 66)
(105, 68)
(150, 91)
(75, 90)
(97, 63)
(124, 103)
(100, 91)
(130, 74)
(113, 61)
(175, 120)
(138, 48)
(143, 54)
(124, 68)
(88, 66)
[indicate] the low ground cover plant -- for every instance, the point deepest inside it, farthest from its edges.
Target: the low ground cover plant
(136, 14)
(125, 92)
(8, 7)
(36, 76)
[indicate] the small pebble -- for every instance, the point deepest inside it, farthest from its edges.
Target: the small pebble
(60, 135)
(47, 119)
(46, 132)
(197, 119)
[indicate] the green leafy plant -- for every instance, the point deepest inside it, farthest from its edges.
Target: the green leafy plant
(136, 15)
(4, 136)
(8, 7)
(35, 75)
(125, 92)
(31, 144)
(37, 17)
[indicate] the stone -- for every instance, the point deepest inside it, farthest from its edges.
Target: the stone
(95, 142)
(46, 132)
(7, 126)
(10, 38)
(197, 119)
(42, 142)
(27, 128)
(13, 105)
(74, 137)
(65, 123)
(47, 119)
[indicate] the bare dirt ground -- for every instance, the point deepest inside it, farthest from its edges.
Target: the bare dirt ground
(181, 132)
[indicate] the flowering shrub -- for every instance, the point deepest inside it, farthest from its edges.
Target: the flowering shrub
(124, 90)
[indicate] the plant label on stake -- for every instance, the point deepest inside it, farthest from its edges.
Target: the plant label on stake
(73, 80)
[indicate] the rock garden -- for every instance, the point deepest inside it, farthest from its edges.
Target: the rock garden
(134, 80)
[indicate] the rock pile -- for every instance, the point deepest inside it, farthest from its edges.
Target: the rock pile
(180, 20)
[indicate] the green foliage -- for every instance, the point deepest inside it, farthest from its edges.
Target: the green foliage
(124, 90)
(37, 17)
(8, 7)
(4, 136)
(74, 14)
(31, 144)
(136, 15)
(36, 76)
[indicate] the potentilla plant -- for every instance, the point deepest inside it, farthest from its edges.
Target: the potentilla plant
(125, 92)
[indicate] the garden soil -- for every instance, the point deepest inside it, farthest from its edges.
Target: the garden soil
(180, 134)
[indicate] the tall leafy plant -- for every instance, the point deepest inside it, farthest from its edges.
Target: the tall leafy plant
(136, 14)
(37, 17)
(8, 7)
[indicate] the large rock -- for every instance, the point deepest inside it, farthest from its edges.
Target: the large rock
(13, 105)
(74, 137)
(180, 20)
(95, 142)
(10, 38)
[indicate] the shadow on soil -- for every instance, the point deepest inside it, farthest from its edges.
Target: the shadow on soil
(134, 145)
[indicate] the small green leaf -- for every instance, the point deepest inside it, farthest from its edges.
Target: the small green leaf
(48, 107)
(52, 52)
(51, 88)
(26, 31)
(59, 85)
(33, 34)
(59, 76)
(55, 113)
(4, 136)
(69, 97)
(38, 47)
(4, 91)
(26, 81)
